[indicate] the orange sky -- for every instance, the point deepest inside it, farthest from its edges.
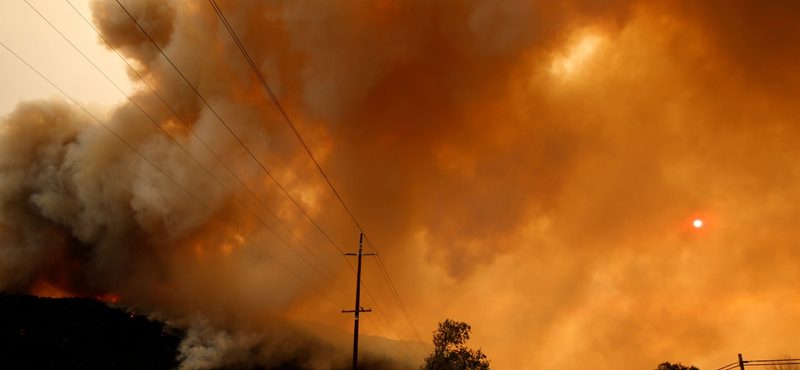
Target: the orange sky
(531, 168)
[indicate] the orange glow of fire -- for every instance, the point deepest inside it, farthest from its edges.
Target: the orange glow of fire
(45, 289)
(108, 298)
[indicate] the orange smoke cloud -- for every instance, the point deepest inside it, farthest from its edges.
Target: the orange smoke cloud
(532, 168)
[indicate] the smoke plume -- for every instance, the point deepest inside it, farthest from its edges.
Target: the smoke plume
(529, 167)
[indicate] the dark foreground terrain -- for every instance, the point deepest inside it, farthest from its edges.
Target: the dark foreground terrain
(80, 333)
(85, 333)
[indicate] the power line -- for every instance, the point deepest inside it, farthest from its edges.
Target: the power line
(382, 267)
(280, 108)
(226, 126)
(729, 366)
(266, 86)
(161, 51)
(251, 154)
(380, 311)
(396, 294)
(255, 69)
(392, 343)
(184, 149)
(383, 332)
(247, 149)
(220, 161)
(204, 168)
(742, 363)
(237, 231)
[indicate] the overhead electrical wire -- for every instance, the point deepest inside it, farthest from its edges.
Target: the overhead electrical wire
(220, 160)
(280, 108)
(207, 147)
(215, 153)
(750, 363)
(382, 267)
(252, 155)
(385, 273)
(225, 124)
(237, 231)
(258, 74)
(244, 146)
(181, 147)
(775, 362)
(396, 294)
(394, 344)
(241, 182)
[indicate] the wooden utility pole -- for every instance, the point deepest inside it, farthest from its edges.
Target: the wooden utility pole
(358, 309)
(741, 362)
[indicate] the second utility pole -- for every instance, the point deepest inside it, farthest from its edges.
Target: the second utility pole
(358, 309)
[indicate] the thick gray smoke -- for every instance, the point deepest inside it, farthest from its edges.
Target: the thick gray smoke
(81, 210)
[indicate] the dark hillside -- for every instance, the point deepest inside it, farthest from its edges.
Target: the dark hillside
(80, 333)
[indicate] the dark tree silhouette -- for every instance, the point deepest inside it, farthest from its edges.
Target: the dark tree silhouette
(784, 363)
(678, 366)
(451, 352)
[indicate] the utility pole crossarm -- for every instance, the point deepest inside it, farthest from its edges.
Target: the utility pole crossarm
(361, 310)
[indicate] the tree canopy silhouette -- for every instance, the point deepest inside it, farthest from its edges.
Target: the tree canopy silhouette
(785, 362)
(678, 366)
(451, 352)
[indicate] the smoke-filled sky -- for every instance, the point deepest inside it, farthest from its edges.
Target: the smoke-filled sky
(530, 167)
